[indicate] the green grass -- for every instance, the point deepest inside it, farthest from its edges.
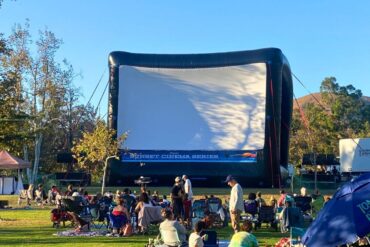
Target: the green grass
(32, 227)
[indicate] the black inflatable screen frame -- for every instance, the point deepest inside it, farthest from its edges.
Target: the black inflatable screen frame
(279, 103)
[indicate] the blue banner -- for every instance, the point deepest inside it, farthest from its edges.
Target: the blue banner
(189, 156)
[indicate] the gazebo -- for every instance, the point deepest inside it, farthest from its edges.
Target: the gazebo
(9, 185)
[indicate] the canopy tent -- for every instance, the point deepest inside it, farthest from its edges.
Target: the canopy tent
(9, 185)
(8, 161)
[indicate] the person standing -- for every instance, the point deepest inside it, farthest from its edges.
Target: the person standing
(261, 202)
(187, 187)
(176, 196)
(281, 201)
(236, 202)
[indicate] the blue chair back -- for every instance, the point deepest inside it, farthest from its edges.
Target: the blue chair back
(117, 221)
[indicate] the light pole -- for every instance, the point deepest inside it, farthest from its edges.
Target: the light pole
(105, 171)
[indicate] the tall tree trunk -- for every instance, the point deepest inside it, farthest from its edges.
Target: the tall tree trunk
(25, 157)
(38, 141)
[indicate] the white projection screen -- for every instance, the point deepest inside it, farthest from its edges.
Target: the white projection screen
(221, 108)
(205, 115)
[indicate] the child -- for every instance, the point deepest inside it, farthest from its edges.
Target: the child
(195, 240)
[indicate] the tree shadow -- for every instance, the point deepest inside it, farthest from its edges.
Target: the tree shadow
(193, 109)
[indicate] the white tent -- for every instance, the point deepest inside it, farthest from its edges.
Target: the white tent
(9, 185)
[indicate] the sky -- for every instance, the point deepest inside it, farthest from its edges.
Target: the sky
(319, 38)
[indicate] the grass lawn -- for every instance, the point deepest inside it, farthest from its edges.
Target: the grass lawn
(32, 227)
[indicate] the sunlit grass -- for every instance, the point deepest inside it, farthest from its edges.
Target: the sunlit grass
(32, 227)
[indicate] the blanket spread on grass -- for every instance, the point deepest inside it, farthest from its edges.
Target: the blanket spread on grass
(73, 233)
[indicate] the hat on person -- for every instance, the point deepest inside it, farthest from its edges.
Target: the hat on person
(177, 179)
(184, 176)
(229, 178)
(76, 193)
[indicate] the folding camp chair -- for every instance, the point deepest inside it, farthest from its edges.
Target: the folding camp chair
(296, 234)
(75, 205)
(304, 203)
(117, 222)
(99, 218)
(198, 208)
(215, 207)
(291, 217)
(251, 210)
(266, 214)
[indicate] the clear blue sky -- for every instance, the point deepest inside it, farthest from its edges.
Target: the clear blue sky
(320, 38)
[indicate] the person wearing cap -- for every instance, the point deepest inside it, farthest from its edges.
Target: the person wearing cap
(176, 196)
(236, 202)
(187, 187)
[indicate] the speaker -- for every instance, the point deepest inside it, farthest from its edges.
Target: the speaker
(66, 158)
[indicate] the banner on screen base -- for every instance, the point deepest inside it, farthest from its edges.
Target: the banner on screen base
(189, 156)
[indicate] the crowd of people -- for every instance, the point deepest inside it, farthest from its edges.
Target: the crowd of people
(128, 212)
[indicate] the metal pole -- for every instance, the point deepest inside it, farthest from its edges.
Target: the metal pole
(105, 172)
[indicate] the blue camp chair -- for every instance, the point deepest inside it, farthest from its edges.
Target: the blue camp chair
(296, 234)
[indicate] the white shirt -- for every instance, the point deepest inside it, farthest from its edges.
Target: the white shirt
(188, 188)
(236, 198)
(195, 240)
(167, 225)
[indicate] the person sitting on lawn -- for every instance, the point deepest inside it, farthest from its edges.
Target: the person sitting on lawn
(143, 202)
(290, 216)
(273, 202)
(117, 195)
(244, 238)
(261, 202)
(52, 193)
(80, 224)
(195, 239)
(304, 192)
(120, 209)
(165, 203)
(40, 195)
(69, 190)
(251, 205)
(169, 225)
(120, 216)
(155, 197)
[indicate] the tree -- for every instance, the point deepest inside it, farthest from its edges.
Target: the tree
(94, 149)
(318, 127)
(14, 134)
(348, 110)
(42, 89)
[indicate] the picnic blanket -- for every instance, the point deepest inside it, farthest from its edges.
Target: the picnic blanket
(148, 215)
(74, 233)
